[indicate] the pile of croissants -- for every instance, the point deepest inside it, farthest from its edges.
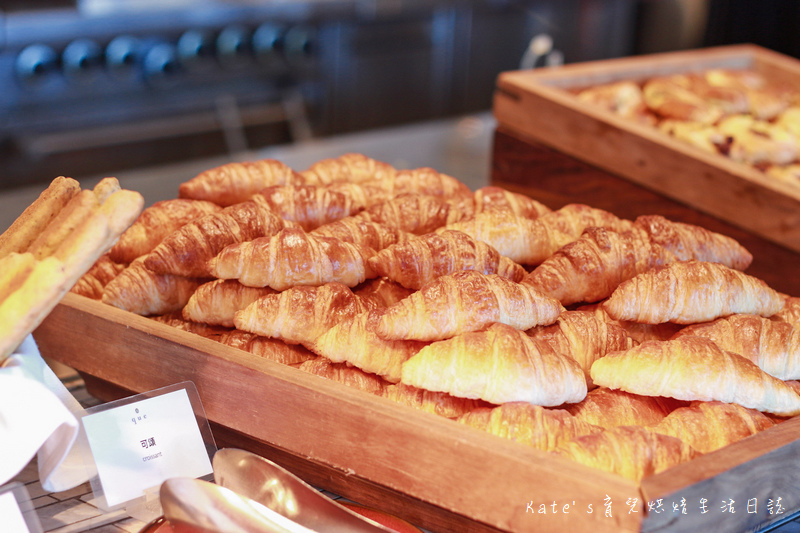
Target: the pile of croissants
(629, 346)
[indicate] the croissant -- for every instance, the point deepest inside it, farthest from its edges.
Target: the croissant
(216, 302)
(689, 242)
(293, 257)
(498, 365)
(175, 319)
(272, 349)
(462, 302)
(772, 345)
(354, 341)
(187, 251)
(608, 408)
(364, 233)
(417, 262)
(633, 452)
(429, 182)
(140, 290)
(709, 426)
(582, 336)
(532, 425)
(364, 194)
(411, 212)
(307, 205)
(437, 403)
(155, 223)
(687, 292)
(590, 268)
(790, 312)
(693, 368)
(492, 198)
(353, 168)
(97, 277)
(236, 182)
(685, 97)
(301, 314)
(639, 332)
(382, 291)
(345, 374)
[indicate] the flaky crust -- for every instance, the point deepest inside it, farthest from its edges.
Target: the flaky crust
(419, 261)
(410, 212)
(362, 232)
(155, 224)
(437, 403)
(688, 292)
(354, 341)
(272, 349)
(493, 198)
(216, 302)
(532, 425)
(307, 205)
(236, 182)
(772, 345)
(187, 251)
(382, 291)
(609, 408)
(693, 368)
(466, 301)
(293, 257)
(582, 336)
(301, 314)
(638, 331)
(350, 167)
(709, 426)
(498, 365)
(633, 452)
(346, 375)
(590, 268)
(93, 283)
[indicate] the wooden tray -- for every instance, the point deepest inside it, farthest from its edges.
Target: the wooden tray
(538, 105)
(431, 471)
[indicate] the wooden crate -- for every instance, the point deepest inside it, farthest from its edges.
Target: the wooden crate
(429, 470)
(538, 105)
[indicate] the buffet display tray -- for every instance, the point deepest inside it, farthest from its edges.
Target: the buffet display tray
(431, 471)
(540, 105)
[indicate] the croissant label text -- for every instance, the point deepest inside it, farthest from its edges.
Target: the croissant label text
(608, 508)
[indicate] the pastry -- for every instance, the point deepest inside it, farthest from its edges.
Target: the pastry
(382, 291)
(492, 198)
(638, 331)
(272, 349)
(498, 365)
(346, 375)
(609, 408)
(351, 167)
(92, 284)
(307, 205)
(216, 302)
(411, 212)
(687, 292)
(437, 403)
(362, 232)
(293, 257)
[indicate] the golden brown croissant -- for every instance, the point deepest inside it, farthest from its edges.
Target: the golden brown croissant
(492, 198)
(609, 408)
(638, 331)
(411, 212)
(417, 262)
(790, 312)
(429, 182)
(140, 290)
(187, 251)
(155, 223)
(99, 275)
(623, 98)
(346, 375)
(687, 292)
(354, 341)
(772, 345)
(690, 242)
(175, 319)
(499, 365)
(272, 349)
(301, 314)
(236, 182)
(307, 205)
(466, 301)
(365, 194)
(353, 168)
(694, 368)
(382, 291)
(709, 426)
(582, 336)
(362, 232)
(633, 452)
(590, 268)
(216, 302)
(532, 425)
(438, 403)
(293, 257)
(691, 97)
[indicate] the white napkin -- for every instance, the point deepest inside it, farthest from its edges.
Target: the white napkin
(39, 415)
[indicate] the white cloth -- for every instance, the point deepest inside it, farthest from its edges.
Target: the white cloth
(38, 415)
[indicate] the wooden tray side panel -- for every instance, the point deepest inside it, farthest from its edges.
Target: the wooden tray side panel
(456, 468)
(527, 104)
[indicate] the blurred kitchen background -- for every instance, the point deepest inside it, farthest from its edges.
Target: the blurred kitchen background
(104, 87)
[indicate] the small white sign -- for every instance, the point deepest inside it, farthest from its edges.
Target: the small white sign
(144, 441)
(16, 511)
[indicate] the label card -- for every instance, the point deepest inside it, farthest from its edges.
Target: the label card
(140, 442)
(16, 510)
